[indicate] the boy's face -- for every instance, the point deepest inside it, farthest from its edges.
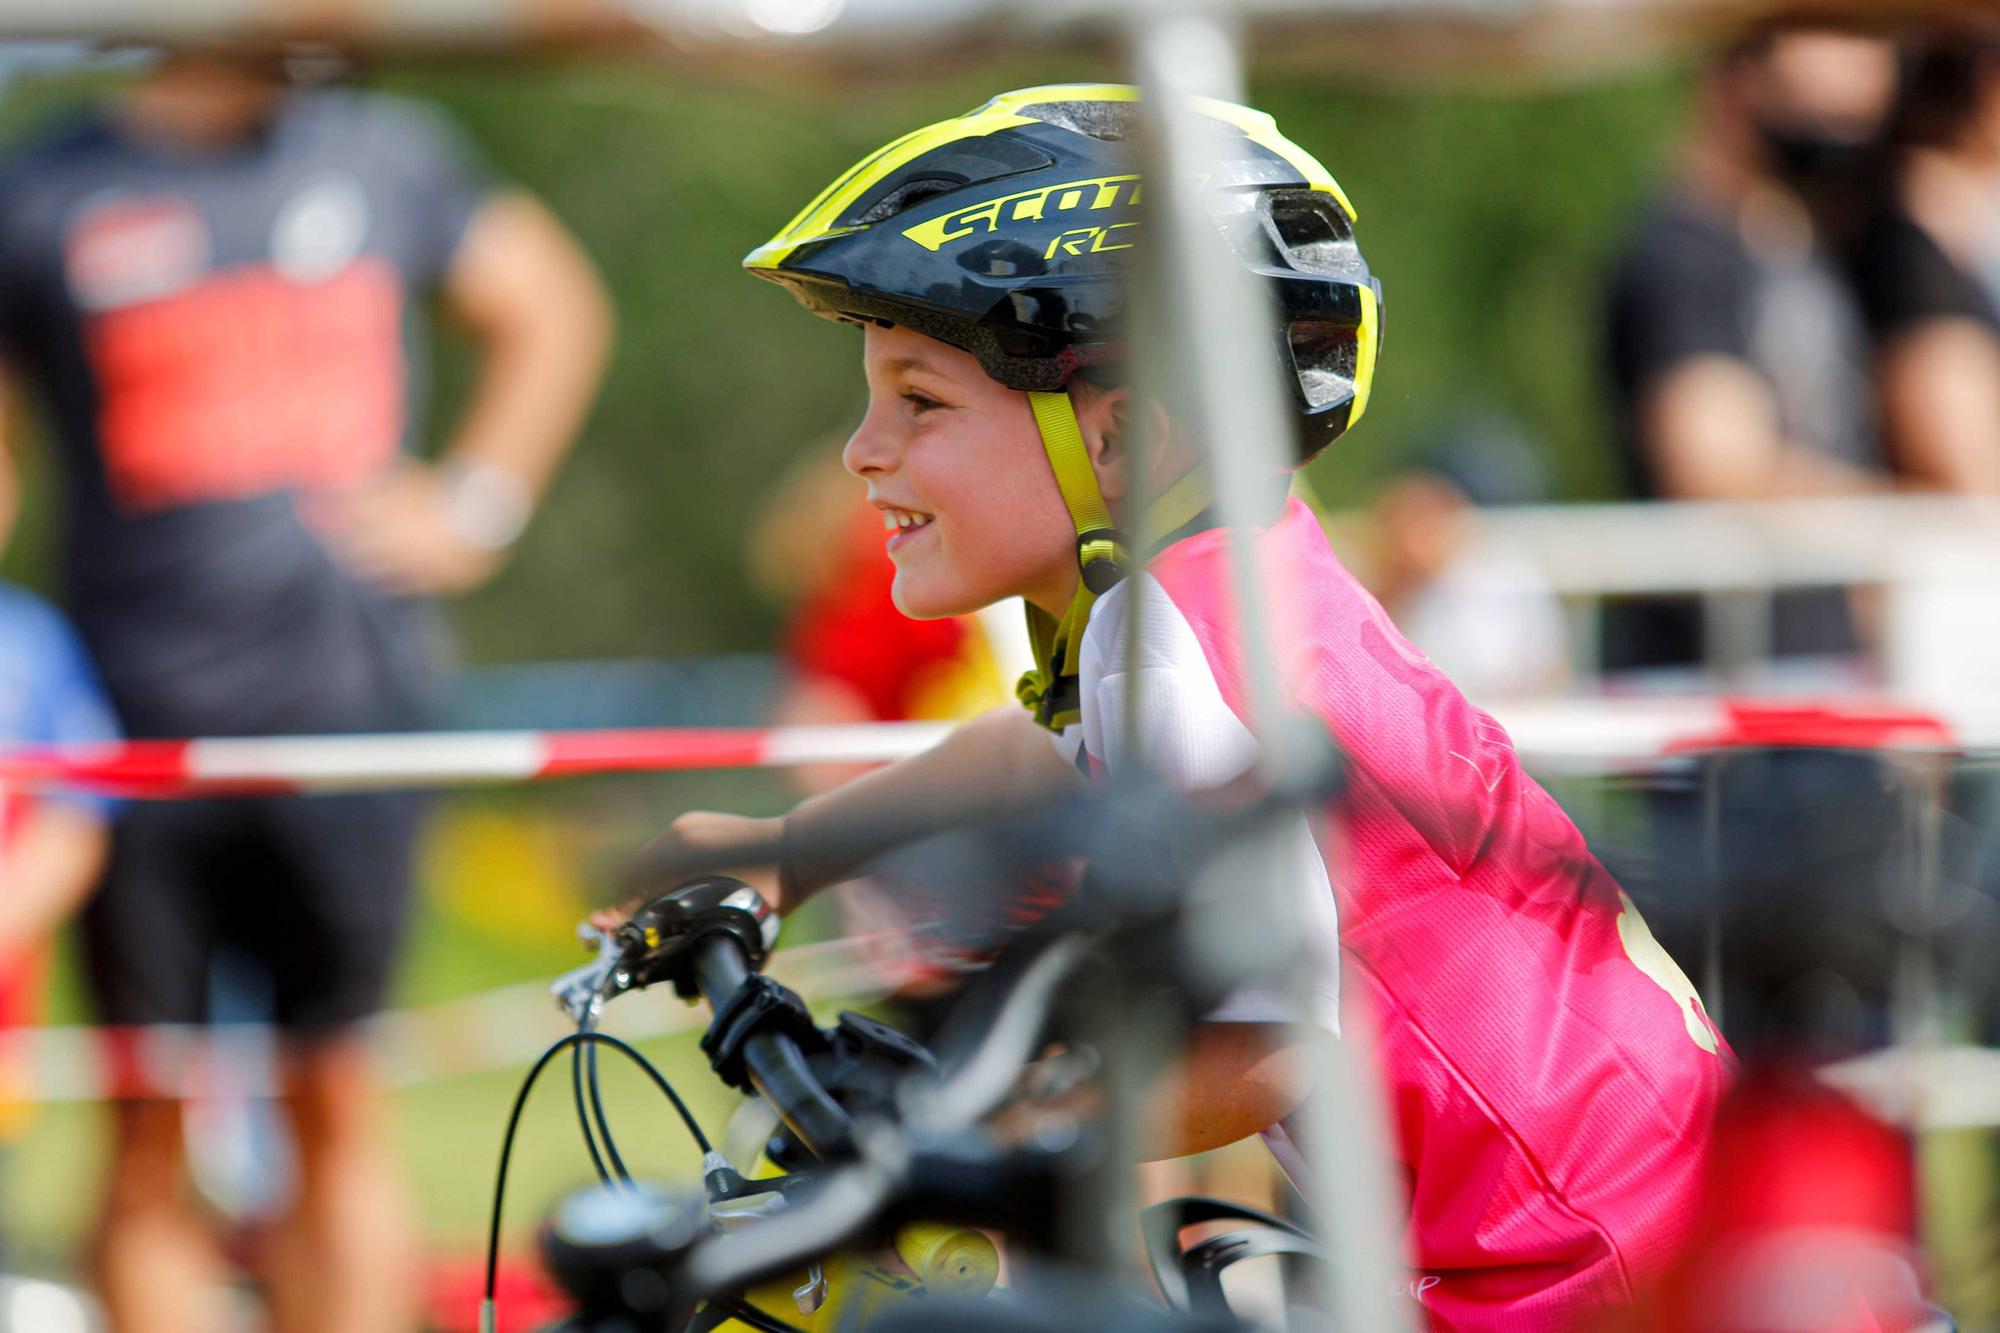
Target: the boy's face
(954, 462)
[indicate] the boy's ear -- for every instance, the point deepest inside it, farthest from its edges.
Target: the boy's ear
(1105, 416)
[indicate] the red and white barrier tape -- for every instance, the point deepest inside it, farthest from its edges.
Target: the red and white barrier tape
(237, 766)
(1588, 732)
(498, 1029)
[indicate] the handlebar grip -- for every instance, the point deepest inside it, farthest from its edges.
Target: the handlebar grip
(721, 966)
(773, 1061)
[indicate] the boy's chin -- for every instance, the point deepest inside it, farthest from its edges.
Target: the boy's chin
(921, 602)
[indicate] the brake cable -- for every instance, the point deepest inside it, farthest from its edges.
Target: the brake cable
(603, 1121)
(583, 1115)
(579, 1038)
(582, 1065)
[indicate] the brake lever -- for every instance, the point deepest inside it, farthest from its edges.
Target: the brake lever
(655, 943)
(811, 1294)
(582, 992)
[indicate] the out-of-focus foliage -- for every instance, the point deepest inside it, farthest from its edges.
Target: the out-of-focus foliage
(1488, 216)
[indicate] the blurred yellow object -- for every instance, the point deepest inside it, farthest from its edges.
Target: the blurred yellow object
(959, 687)
(954, 1261)
(17, 1110)
(506, 874)
(949, 1261)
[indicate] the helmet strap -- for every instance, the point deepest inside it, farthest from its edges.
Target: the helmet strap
(1100, 548)
(1050, 691)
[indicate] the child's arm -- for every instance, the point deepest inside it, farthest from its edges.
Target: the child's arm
(49, 867)
(1236, 1079)
(996, 761)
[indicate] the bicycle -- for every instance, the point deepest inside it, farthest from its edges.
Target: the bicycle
(879, 1145)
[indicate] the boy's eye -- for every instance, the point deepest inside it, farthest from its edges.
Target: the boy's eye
(919, 401)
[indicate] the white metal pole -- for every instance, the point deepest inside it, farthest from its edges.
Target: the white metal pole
(1205, 337)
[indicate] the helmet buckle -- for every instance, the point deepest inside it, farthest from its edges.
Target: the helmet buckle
(1100, 554)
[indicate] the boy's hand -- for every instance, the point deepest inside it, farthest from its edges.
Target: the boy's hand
(704, 835)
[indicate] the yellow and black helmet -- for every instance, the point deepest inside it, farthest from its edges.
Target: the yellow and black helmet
(1004, 232)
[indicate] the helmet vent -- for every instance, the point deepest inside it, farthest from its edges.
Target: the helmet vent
(1113, 122)
(1313, 233)
(955, 166)
(905, 196)
(1323, 355)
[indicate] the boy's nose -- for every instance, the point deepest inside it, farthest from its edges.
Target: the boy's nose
(866, 450)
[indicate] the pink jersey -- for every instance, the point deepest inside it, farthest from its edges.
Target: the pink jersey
(1550, 1070)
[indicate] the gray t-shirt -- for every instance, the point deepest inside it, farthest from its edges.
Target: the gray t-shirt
(217, 335)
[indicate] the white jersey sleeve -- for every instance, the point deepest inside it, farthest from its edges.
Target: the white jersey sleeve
(1158, 692)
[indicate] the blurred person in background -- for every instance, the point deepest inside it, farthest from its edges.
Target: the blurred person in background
(1928, 269)
(1479, 609)
(211, 282)
(53, 846)
(1737, 353)
(1740, 364)
(1928, 265)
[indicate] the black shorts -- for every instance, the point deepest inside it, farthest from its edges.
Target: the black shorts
(315, 889)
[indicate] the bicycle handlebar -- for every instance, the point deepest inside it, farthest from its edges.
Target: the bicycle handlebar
(931, 1166)
(776, 1066)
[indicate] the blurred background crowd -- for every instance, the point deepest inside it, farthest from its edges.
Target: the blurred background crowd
(311, 356)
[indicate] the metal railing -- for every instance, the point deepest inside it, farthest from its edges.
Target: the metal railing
(1930, 566)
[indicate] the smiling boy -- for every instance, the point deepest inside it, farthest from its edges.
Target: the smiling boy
(1550, 1071)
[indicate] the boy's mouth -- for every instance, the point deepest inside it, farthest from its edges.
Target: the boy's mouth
(904, 523)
